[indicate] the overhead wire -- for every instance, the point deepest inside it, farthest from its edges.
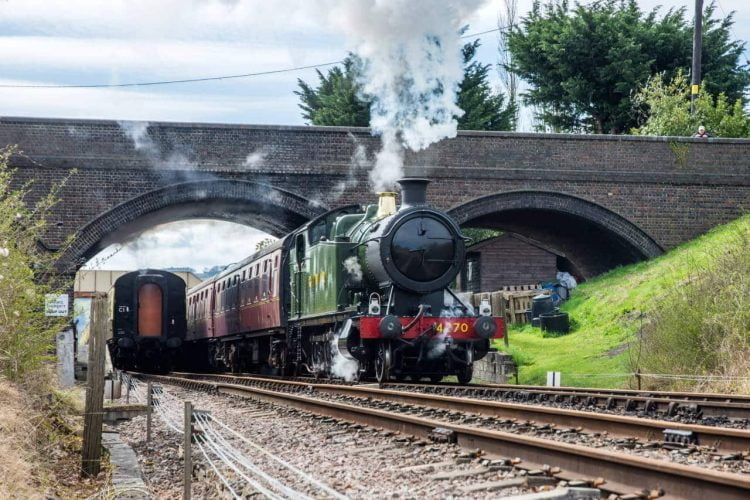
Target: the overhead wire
(202, 79)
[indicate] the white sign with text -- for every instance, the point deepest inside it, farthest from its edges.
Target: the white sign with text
(56, 304)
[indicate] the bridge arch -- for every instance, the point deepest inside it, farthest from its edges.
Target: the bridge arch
(589, 238)
(259, 205)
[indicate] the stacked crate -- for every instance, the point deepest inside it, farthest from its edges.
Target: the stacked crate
(511, 302)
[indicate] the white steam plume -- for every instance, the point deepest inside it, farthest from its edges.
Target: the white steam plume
(342, 367)
(412, 65)
(353, 269)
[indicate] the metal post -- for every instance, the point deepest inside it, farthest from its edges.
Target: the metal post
(697, 48)
(127, 392)
(187, 450)
(149, 406)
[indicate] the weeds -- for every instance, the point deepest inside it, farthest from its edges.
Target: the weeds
(702, 326)
(27, 274)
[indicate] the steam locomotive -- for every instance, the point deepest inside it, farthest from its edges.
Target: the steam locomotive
(353, 293)
(147, 320)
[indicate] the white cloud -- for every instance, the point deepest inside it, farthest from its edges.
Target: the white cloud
(129, 104)
(157, 58)
(196, 243)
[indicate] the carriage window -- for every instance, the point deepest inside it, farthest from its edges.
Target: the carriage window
(243, 275)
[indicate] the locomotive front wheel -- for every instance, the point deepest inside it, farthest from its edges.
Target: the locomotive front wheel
(383, 363)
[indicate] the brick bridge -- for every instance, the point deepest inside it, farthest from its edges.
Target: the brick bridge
(597, 201)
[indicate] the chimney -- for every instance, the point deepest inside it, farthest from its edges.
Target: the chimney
(386, 204)
(413, 191)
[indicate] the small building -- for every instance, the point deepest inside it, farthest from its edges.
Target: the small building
(506, 260)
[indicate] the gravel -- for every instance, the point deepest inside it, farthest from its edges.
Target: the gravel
(355, 460)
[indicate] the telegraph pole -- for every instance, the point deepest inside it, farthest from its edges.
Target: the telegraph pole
(697, 47)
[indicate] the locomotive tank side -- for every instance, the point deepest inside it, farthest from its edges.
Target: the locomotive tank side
(148, 320)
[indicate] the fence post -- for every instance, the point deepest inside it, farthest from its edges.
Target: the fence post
(187, 450)
(91, 451)
(638, 378)
(127, 391)
(149, 408)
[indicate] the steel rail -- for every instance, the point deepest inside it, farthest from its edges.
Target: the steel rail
(644, 401)
(722, 438)
(624, 473)
(690, 396)
(648, 402)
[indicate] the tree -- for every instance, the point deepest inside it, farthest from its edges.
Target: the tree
(667, 105)
(264, 243)
(483, 109)
(584, 63)
(338, 99)
(27, 274)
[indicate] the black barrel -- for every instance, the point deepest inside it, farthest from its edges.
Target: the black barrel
(541, 304)
(556, 322)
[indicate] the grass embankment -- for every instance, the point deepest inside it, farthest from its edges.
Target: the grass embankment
(650, 300)
(40, 442)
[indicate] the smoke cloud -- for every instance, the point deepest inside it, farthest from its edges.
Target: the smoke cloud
(411, 53)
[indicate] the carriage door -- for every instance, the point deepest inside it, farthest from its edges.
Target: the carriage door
(149, 310)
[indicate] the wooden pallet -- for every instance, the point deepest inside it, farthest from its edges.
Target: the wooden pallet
(520, 288)
(511, 305)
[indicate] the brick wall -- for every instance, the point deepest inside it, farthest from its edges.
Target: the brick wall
(508, 260)
(653, 192)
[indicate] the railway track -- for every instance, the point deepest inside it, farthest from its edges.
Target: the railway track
(650, 402)
(625, 474)
(651, 430)
(715, 409)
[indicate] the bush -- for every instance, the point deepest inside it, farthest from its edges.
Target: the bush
(702, 326)
(27, 273)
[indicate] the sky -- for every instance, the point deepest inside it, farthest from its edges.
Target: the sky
(71, 42)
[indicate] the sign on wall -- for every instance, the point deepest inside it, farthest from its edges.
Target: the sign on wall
(56, 304)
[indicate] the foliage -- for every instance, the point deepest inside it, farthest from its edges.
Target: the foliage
(668, 105)
(483, 109)
(612, 310)
(584, 62)
(264, 243)
(338, 100)
(701, 327)
(27, 273)
(478, 234)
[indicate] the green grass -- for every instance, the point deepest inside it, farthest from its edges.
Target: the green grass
(608, 312)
